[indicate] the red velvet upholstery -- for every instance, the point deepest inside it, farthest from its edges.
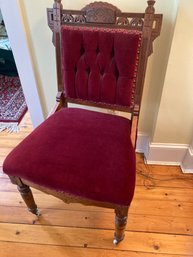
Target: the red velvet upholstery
(85, 153)
(100, 64)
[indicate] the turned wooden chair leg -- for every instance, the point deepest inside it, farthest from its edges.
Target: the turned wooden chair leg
(28, 198)
(121, 215)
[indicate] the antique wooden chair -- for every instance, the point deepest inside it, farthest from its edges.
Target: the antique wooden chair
(81, 155)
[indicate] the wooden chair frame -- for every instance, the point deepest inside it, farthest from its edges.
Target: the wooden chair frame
(105, 15)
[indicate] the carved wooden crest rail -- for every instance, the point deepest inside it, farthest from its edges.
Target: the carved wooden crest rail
(103, 14)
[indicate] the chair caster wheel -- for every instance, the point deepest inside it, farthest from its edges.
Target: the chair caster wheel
(35, 211)
(38, 213)
(115, 242)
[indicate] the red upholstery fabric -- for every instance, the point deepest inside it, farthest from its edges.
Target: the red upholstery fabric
(84, 153)
(100, 64)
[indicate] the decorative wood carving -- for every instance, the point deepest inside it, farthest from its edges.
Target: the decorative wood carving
(137, 23)
(148, 24)
(107, 14)
(150, 8)
(80, 19)
(123, 21)
(67, 18)
(100, 15)
(100, 12)
(131, 23)
(101, 5)
(57, 7)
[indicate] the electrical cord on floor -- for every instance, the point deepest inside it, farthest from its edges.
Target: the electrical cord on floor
(150, 181)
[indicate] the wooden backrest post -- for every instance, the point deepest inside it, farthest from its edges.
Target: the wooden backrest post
(148, 25)
(57, 9)
(146, 51)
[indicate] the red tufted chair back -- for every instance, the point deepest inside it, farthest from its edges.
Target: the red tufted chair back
(100, 64)
(101, 55)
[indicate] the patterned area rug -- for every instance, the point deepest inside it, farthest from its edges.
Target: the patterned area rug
(12, 103)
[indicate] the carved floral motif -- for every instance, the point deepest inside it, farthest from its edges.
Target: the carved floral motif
(80, 19)
(136, 22)
(100, 16)
(101, 5)
(68, 18)
(123, 21)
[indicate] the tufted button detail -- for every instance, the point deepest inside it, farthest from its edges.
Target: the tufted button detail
(102, 72)
(82, 51)
(103, 67)
(97, 50)
(113, 52)
(88, 70)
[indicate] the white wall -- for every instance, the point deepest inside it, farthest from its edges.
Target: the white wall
(157, 66)
(42, 51)
(171, 141)
(175, 117)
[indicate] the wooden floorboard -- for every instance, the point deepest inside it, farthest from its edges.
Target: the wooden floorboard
(95, 238)
(8, 249)
(160, 218)
(94, 219)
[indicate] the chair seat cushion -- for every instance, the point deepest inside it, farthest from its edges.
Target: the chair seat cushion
(80, 152)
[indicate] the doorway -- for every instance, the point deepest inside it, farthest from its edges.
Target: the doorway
(17, 37)
(13, 106)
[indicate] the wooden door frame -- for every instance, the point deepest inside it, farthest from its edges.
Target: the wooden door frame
(17, 35)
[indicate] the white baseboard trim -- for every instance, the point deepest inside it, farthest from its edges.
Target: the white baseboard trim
(142, 145)
(165, 154)
(187, 163)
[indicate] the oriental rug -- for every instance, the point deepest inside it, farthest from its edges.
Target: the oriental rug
(12, 103)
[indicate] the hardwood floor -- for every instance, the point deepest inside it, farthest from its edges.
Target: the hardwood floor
(160, 218)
